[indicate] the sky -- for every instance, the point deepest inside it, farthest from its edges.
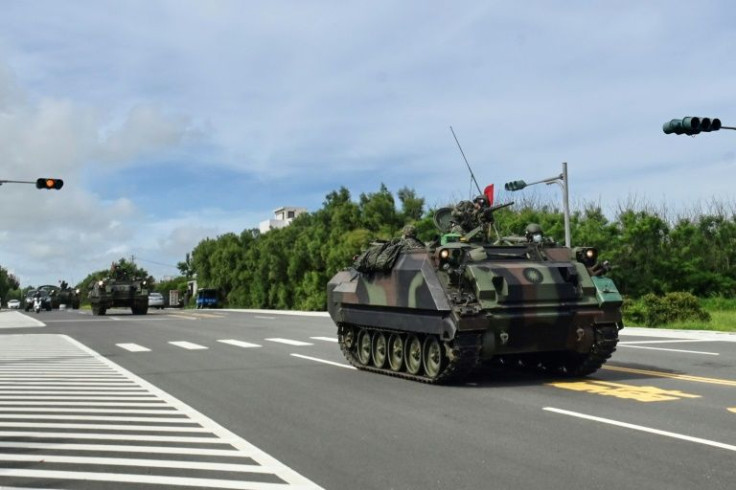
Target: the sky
(171, 121)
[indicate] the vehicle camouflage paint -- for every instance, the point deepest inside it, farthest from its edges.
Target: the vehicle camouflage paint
(119, 290)
(433, 313)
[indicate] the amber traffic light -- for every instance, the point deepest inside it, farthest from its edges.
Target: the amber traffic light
(49, 183)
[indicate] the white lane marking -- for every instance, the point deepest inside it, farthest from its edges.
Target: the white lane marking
(134, 347)
(326, 339)
(16, 319)
(296, 343)
(116, 427)
(110, 448)
(167, 411)
(264, 317)
(642, 428)
(155, 463)
(175, 481)
(188, 345)
(672, 350)
(105, 418)
(86, 398)
(239, 343)
(114, 318)
(664, 333)
(111, 437)
(90, 403)
(674, 341)
(214, 439)
(323, 361)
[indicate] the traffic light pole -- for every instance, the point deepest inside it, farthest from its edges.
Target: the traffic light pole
(41, 183)
(561, 179)
(16, 182)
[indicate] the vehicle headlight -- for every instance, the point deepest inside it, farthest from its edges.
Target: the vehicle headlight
(587, 255)
(451, 256)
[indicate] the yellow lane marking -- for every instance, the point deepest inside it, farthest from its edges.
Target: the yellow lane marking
(683, 377)
(183, 317)
(732, 409)
(628, 392)
(207, 315)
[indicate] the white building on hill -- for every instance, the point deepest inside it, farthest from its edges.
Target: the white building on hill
(283, 216)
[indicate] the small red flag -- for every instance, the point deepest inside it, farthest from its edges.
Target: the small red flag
(488, 191)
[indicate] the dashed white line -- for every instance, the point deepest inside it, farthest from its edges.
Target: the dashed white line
(239, 343)
(296, 343)
(323, 361)
(642, 428)
(134, 347)
(264, 317)
(188, 345)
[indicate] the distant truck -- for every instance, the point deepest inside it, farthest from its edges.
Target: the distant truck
(207, 298)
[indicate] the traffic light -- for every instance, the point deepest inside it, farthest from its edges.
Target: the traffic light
(514, 185)
(49, 184)
(691, 125)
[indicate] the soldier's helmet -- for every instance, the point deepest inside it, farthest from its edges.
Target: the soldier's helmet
(534, 233)
(409, 231)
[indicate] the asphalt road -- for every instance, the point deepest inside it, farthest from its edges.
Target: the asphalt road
(228, 399)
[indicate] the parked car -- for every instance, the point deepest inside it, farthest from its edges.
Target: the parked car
(14, 304)
(156, 300)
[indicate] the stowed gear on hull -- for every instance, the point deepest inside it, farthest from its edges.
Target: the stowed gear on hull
(432, 314)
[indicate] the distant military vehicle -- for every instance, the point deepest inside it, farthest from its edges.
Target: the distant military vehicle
(433, 313)
(119, 290)
(31, 295)
(62, 295)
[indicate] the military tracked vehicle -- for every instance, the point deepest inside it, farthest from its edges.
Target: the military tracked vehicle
(119, 290)
(62, 295)
(432, 313)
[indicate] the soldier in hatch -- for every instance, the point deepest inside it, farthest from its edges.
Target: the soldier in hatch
(466, 215)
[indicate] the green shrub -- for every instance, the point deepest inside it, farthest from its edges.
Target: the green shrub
(655, 311)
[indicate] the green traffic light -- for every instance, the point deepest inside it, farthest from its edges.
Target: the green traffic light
(691, 125)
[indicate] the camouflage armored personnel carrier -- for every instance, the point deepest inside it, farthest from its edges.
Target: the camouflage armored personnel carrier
(433, 313)
(119, 290)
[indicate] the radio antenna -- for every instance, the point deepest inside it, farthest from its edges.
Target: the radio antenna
(466, 161)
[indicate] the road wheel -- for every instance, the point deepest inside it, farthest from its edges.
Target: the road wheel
(379, 350)
(413, 354)
(96, 310)
(432, 356)
(395, 352)
(364, 347)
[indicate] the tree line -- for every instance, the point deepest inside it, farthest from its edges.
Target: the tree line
(289, 268)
